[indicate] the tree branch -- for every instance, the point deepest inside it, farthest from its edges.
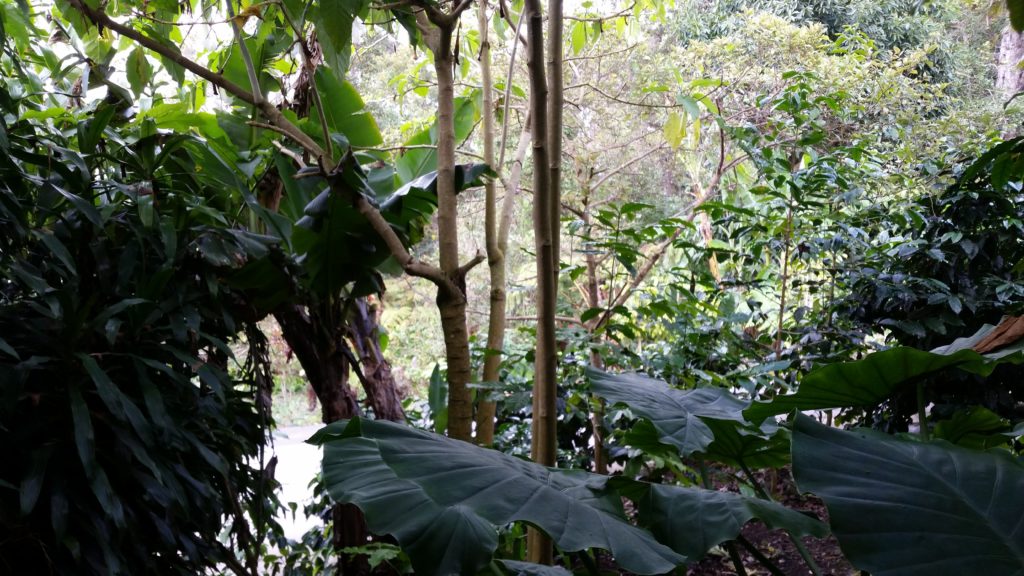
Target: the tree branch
(463, 270)
(625, 165)
(269, 110)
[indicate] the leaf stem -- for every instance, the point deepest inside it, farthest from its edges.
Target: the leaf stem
(734, 553)
(797, 543)
(760, 557)
(589, 563)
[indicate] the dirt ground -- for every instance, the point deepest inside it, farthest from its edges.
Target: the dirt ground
(776, 544)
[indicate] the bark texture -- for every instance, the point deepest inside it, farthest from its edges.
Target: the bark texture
(486, 409)
(1009, 76)
(327, 369)
(451, 292)
(544, 441)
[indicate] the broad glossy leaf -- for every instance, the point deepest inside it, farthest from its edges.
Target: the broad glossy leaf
(676, 414)
(878, 376)
(346, 112)
(906, 508)
(974, 427)
(466, 176)
(334, 31)
(416, 162)
(735, 443)
(442, 499)
(263, 50)
(138, 70)
(693, 520)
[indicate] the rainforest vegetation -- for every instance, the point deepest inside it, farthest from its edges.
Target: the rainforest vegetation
(570, 287)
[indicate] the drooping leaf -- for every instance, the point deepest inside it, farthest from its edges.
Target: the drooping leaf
(454, 494)
(693, 520)
(32, 483)
(138, 70)
(676, 414)
(90, 131)
(85, 439)
(466, 176)
(906, 508)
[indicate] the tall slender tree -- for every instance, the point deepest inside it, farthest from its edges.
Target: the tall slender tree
(497, 223)
(545, 229)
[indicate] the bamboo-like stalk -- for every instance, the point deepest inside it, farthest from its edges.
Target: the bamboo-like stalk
(556, 102)
(539, 548)
(495, 257)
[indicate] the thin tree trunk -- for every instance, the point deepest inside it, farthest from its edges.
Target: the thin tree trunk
(497, 319)
(1009, 75)
(594, 301)
(486, 409)
(437, 28)
(539, 548)
(556, 100)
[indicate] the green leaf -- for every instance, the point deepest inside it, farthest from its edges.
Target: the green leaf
(115, 400)
(905, 508)
(866, 382)
(690, 105)
(676, 414)
(90, 131)
(32, 483)
(1016, 10)
(437, 399)
(974, 427)
(738, 444)
(591, 313)
(85, 439)
(346, 112)
(692, 520)
(334, 31)
(466, 176)
(455, 494)
(138, 70)
(8, 349)
(675, 130)
(578, 37)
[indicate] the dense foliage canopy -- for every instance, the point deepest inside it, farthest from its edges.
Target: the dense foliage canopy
(729, 245)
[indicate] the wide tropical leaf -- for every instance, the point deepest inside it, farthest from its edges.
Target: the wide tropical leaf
(693, 520)
(346, 112)
(907, 508)
(531, 569)
(866, 382)
(443, 499)
(676, 414)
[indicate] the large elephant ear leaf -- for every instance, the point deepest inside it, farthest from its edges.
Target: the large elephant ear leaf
(676, 414)
(448, 540)
(906, 508)
(878, 376)
(693, 520)
(443, 499)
